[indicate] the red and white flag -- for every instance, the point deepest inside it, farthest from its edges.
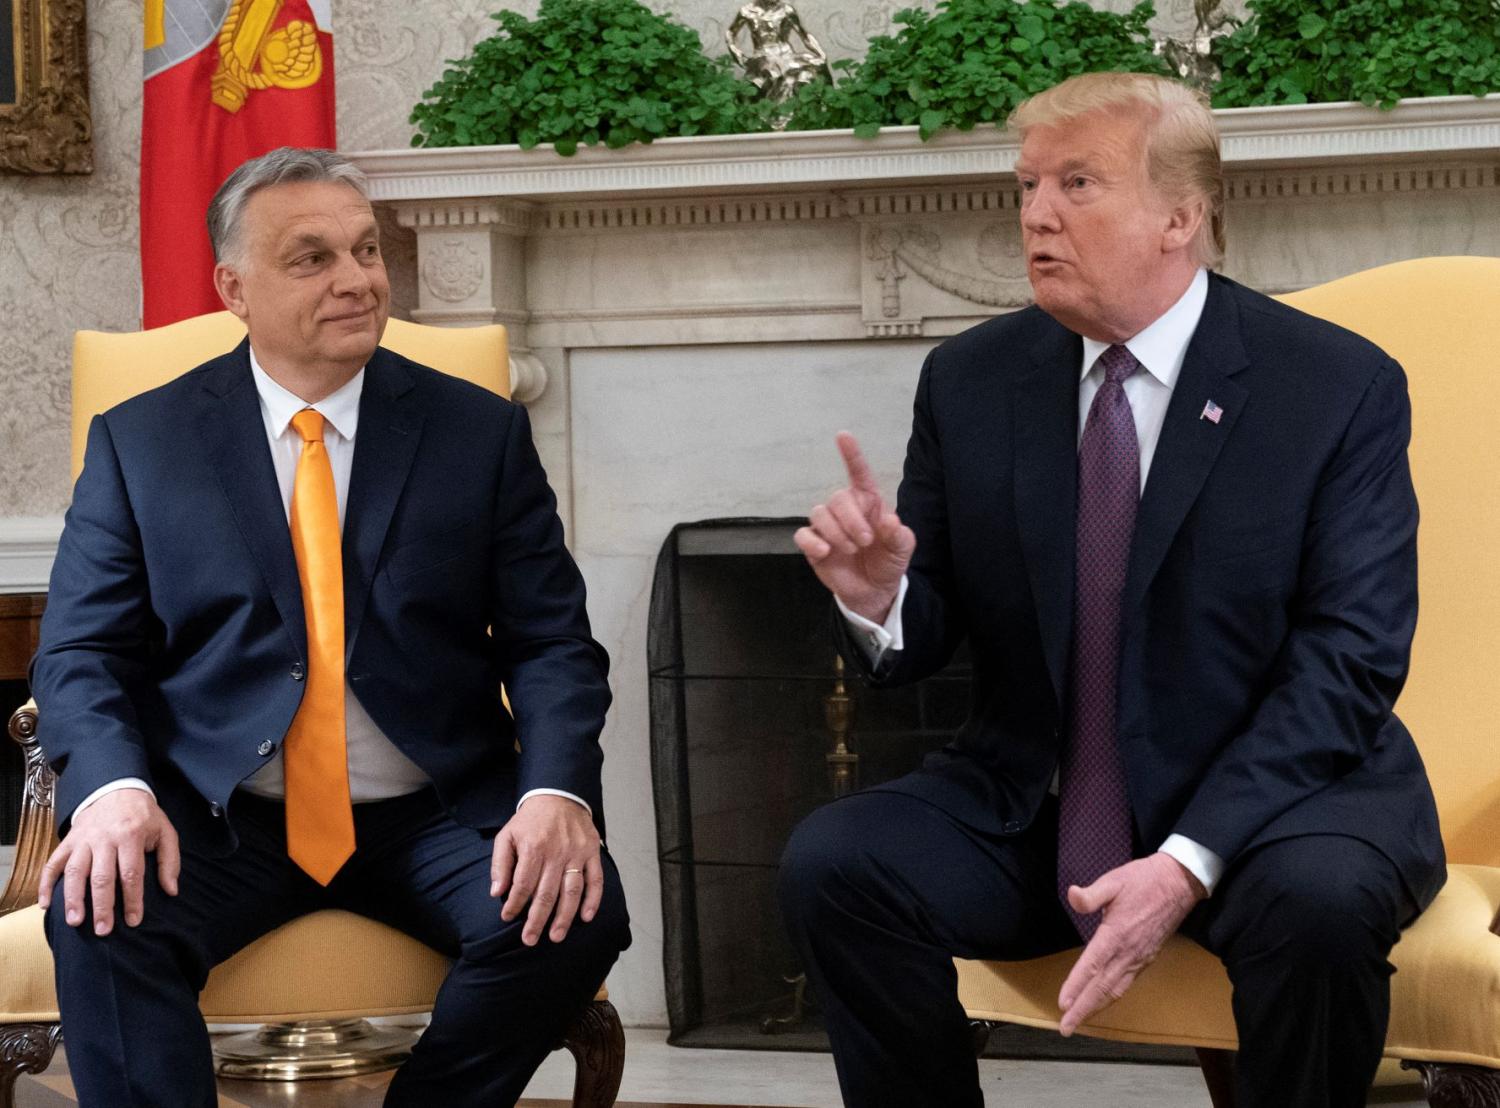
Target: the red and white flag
(226, 80)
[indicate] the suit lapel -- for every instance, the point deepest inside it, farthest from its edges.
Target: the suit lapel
(1046, 469)
(390, 428)
(1189, 443)
(231, 428)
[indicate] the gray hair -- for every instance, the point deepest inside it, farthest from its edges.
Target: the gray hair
(286, 165)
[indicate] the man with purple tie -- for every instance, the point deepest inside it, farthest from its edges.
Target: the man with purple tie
(1175, 522)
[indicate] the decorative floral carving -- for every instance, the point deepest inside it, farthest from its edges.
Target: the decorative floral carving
(453, 270)
(1009, 292)
(1000, 250)
(1449, 1085)
(39, 777)
(597, 1042)
(894, 250)
(25, 1048)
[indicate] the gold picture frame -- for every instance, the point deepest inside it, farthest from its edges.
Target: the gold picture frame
(44, 88)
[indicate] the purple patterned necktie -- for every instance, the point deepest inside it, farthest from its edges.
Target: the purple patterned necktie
(1094, 816)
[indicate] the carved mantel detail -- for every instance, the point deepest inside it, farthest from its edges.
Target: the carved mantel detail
(454, 270)
(471, 261)
(824, 237)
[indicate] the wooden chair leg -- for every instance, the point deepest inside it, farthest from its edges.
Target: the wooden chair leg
(24, 1048)
(1449, 1085)
(1218, 1075)
(597, 1042)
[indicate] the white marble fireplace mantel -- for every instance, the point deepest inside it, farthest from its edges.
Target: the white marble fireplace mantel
(694, 319)
(707, 239)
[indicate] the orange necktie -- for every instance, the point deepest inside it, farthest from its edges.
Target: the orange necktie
(319, 817)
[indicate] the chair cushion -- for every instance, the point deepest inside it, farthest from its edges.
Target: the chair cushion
(328, 965)
(1443, 996)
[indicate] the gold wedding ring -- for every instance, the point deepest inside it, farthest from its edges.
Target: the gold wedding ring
(567, 871)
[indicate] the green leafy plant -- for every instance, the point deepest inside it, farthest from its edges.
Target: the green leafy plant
(585, 72)
(973, 61)
(1375, 51)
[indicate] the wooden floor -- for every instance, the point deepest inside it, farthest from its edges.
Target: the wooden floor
(54, 1089)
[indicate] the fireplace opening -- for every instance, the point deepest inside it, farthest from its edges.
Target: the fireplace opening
(753, 725)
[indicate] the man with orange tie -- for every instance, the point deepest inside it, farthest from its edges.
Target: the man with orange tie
(289, 589)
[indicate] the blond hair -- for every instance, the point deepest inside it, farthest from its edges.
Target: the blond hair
(1182, 141)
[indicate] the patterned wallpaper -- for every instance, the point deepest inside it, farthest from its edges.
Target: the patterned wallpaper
(68, 245)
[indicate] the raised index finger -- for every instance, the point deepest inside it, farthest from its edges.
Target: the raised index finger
(861, 476)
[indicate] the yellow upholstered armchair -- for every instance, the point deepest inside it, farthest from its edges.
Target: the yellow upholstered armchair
(317, 978)
(1440, 317)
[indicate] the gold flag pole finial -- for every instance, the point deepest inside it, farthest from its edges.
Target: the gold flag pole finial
(252, 56)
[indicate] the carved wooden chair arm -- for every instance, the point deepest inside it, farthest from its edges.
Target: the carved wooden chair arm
(37, 836)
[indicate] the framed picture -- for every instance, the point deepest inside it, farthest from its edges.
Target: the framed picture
(44, 88)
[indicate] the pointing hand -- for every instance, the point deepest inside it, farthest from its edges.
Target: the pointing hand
(858, 547)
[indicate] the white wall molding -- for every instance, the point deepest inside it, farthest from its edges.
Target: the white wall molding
(1303, 134)
(27, 546)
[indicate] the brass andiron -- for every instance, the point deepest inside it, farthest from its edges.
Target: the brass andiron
(843, 778)
(838, 711)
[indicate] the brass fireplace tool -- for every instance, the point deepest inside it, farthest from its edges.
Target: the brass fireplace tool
(843, 778)
(838, 712)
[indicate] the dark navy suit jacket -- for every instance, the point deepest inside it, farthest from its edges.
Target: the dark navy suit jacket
(1269, 604)
(174, 644)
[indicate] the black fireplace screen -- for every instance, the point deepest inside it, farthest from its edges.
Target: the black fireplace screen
(743, 720)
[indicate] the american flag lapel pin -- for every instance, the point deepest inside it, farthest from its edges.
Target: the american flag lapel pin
(1212, 412)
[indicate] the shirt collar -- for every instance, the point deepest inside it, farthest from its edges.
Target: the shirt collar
(340, 410)
(1162, 346)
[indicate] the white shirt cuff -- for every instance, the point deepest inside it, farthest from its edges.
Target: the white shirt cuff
(113, 786)
(1201, 862)
(554, 792)
(873, 638)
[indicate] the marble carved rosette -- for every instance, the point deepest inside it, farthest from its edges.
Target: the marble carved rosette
(471, 271)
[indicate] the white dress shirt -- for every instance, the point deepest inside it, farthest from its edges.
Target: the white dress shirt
(377, 768)
(1160, 349)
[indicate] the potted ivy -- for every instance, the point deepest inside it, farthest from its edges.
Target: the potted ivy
(972, 61)
(614, 73)
(1373, 51)
(586, 72)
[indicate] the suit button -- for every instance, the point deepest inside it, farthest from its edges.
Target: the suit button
(1011, 826)
(297, 672)
(265, 748)
(214, 810)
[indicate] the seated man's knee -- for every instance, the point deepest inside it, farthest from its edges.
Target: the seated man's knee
(54, 915)
(592, 943)
(1328, 909)
(824, 859)
(608, 932)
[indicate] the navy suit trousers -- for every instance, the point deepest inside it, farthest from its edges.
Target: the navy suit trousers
(882, 890)
(134, 1035)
